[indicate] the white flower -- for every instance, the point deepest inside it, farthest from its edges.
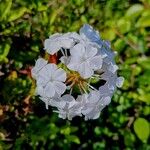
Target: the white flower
(94, 105)
(39, 90)
(71, 109)
(112, 80)
(105, 50)
(58, 41)
(84, 55)
(53, 101)
(65, 60)
(90, 34)
(119, 82)
(104, 47)
(105, 91)
(110, 63)
(84, 60)
(51, 79)
(90, 60)
(40, 63)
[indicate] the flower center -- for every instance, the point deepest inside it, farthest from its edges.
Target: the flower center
(74, 79)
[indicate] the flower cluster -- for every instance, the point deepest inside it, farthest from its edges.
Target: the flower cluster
(85, 77)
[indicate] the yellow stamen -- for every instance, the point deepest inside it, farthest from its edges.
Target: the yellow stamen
(74, 78)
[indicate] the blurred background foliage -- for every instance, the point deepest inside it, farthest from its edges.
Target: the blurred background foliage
(24, 121)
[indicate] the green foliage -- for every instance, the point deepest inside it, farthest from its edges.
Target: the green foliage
(25, 123)
(4, 50)
(142, 129)
(5, 8)
(16, 13)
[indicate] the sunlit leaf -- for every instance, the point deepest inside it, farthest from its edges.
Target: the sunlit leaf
(17, 13)
(4, 50)
(142, 129)
(124, 25)
(134, 11)
(144, 21)
(73, 138)
(5, 8)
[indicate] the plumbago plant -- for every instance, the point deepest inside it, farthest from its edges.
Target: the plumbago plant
(83, 77)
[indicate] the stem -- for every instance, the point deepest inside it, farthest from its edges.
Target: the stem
(81, 91)
(71, 91)
(62, 52)
(83, 87)
(72, 84)
(66, 52)
(46, 104)
(91, 87)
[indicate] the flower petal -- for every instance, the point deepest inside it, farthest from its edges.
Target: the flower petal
(96, 62)
(42, 80)
(68, 98)
(75, 60)
(85, 70)
(65, 60)
(59, 87)
(66, 43)
(94, 96)
(78, 50)
(73, 35)
(51, 46)
(90, 51)
(57, 103)
(119, 81)
(47, 72)
(40, 90)
(113, 67)
(49, 90)
(46, 101)
(40, 63)
(86, 110)
(106, 100)
(51, 67)
(95, 115)
(62, 114)
(55, 36)
(90, 33)
(58, 41)
(60, 75)
(72, 66)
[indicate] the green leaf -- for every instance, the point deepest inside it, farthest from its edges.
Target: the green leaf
(4, 50)
(42, 8)
(119, 44)
(129, 138)
(144, 62)
(134, 11)
(108, 34)
(146, 110)
(124, 25)
(54, 14)
(15, 14)
(145, 97)
(65, 130)
(5, 8)
(144, 80)
(73, 138)
(97, 130)
(146, 1)
(142, 129)
(144, 21)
